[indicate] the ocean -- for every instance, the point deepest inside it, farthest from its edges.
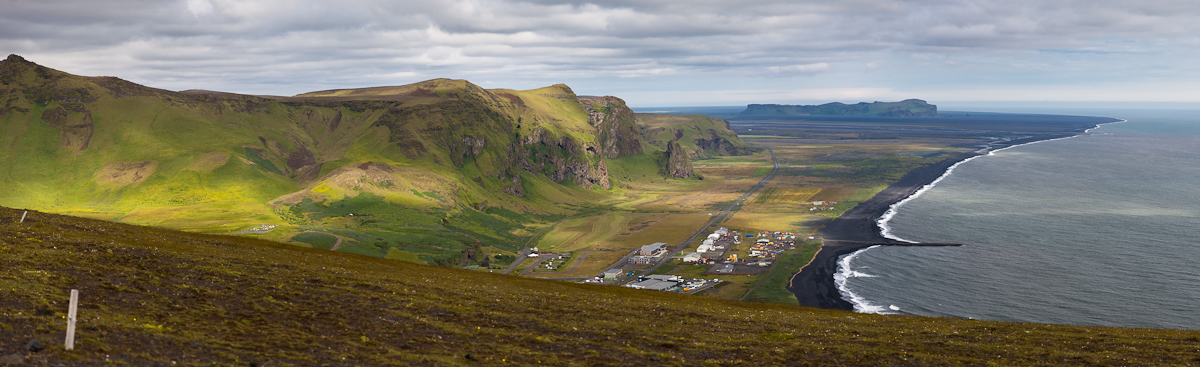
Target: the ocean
(1098, 229)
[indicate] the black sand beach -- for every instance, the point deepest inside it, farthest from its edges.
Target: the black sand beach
(857, 229)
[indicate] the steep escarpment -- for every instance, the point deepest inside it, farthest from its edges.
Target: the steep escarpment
(429, 160)
(616, 126)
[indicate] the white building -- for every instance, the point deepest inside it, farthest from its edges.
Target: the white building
(653, 249)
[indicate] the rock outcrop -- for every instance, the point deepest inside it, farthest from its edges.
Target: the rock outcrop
(678, 165)
(616, 126)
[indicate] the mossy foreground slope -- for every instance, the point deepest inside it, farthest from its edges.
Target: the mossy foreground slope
(157, 297)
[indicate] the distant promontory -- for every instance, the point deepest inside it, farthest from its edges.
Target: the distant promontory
(905, 108)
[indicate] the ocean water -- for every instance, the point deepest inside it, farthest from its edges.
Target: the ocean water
(1098, 229)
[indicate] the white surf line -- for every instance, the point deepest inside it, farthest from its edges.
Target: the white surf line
(844, 270)
(886, 231)
(844, 274)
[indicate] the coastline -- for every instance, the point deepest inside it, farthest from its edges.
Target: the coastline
(858, 228)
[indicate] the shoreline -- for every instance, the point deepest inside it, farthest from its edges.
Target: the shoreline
(859, 228)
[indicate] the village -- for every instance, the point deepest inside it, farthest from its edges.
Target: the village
(723, 252)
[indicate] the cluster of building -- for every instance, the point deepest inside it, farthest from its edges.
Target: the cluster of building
(713, 247)
(552, 260)
(671, 283)
(823, 205)
(771, 244)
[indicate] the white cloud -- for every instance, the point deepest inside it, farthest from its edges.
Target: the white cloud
(294, 46)
(806, 69)
(199, 7)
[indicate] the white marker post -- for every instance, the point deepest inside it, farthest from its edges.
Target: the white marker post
(23, 216)
(71, 312)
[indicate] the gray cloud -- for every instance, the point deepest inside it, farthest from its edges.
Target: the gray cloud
(286, 47)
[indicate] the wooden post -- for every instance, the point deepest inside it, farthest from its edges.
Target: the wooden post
(71, 312)
(23, 216)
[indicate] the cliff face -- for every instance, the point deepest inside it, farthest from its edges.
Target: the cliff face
(679, 164)
(905, 108)
(616, 126)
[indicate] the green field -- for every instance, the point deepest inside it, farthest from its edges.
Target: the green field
(321, 241)
(773, 289)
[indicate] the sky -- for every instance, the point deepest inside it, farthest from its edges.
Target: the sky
(650, 53)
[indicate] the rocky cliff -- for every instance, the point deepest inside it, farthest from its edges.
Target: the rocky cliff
(616, 126)
(678, 162)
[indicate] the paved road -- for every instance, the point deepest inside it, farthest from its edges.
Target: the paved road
(723, 213)
(764, 277)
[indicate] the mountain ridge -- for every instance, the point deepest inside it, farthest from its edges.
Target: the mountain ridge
(220, 162)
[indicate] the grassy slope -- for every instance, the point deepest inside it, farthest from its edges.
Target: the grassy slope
(659, 129)
(158, 296)
(221, 161)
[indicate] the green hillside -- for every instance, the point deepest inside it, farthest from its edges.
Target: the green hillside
(434, 171)
(701, 136)
(905, 108)
(152, 296)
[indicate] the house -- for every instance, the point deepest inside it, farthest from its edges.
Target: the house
(653, 249)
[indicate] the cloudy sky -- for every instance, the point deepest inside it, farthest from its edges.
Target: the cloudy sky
(651, 53)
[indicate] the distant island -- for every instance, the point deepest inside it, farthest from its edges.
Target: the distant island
(905, 108)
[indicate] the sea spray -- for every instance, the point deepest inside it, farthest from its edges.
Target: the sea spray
(844, 273)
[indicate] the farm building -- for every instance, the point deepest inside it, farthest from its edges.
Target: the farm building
(654, 285)
(653, 249)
